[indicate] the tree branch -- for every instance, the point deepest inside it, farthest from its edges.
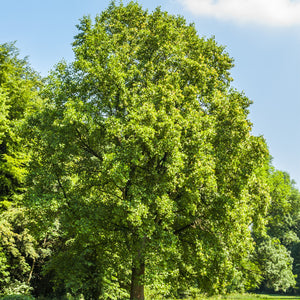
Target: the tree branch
(184, 227)
(86, 146)
(61, 187)
(196, 223)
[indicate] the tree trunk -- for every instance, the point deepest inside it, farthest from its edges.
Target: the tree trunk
(137, 285)
(137, 275)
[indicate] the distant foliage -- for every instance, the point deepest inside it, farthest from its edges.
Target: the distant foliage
(276, 266)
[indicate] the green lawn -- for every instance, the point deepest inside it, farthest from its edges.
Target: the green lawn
(230, 297)
(254, 297)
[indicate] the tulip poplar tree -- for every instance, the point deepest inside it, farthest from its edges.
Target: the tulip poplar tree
(144, 154)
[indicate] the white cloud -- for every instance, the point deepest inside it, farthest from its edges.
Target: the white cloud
(278, 13)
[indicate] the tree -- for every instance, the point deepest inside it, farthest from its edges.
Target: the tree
(276, 266)
(145, 156)
(18, 94)
(276, 246)
(283, 215)
(283, 226)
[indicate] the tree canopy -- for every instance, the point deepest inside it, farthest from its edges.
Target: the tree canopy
(145, 155)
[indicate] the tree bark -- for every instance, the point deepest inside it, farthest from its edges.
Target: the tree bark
(137, 275)
(31, 271)
(137, 286)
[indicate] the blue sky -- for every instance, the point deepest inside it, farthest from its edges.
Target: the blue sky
(263, 37)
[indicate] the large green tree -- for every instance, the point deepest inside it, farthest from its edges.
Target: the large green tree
(144, 155)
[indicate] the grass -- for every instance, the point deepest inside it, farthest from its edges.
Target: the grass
(229, 297)
(255, 297)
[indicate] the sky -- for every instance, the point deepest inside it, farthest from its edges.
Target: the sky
(263, 37)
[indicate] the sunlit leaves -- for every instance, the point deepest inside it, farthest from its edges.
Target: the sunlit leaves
(142, 140)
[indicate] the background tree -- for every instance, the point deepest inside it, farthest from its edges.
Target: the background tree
(275, 265)
(277, 249)
(145, 158)
(284, 210)
(18, 94)
(18, 90)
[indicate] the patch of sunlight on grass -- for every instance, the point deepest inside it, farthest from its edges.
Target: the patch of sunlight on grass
(250, 297)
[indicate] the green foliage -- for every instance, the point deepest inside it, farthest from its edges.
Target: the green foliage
(18, 250)
(145, 157)
(284, 211)
(79, 268)
(276, 246)
(18, 91)
(17, 290)
(143, 171)
(284, 215)
(276, 265)
(4, 274)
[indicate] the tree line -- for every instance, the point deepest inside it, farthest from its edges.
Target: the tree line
(133, 173)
